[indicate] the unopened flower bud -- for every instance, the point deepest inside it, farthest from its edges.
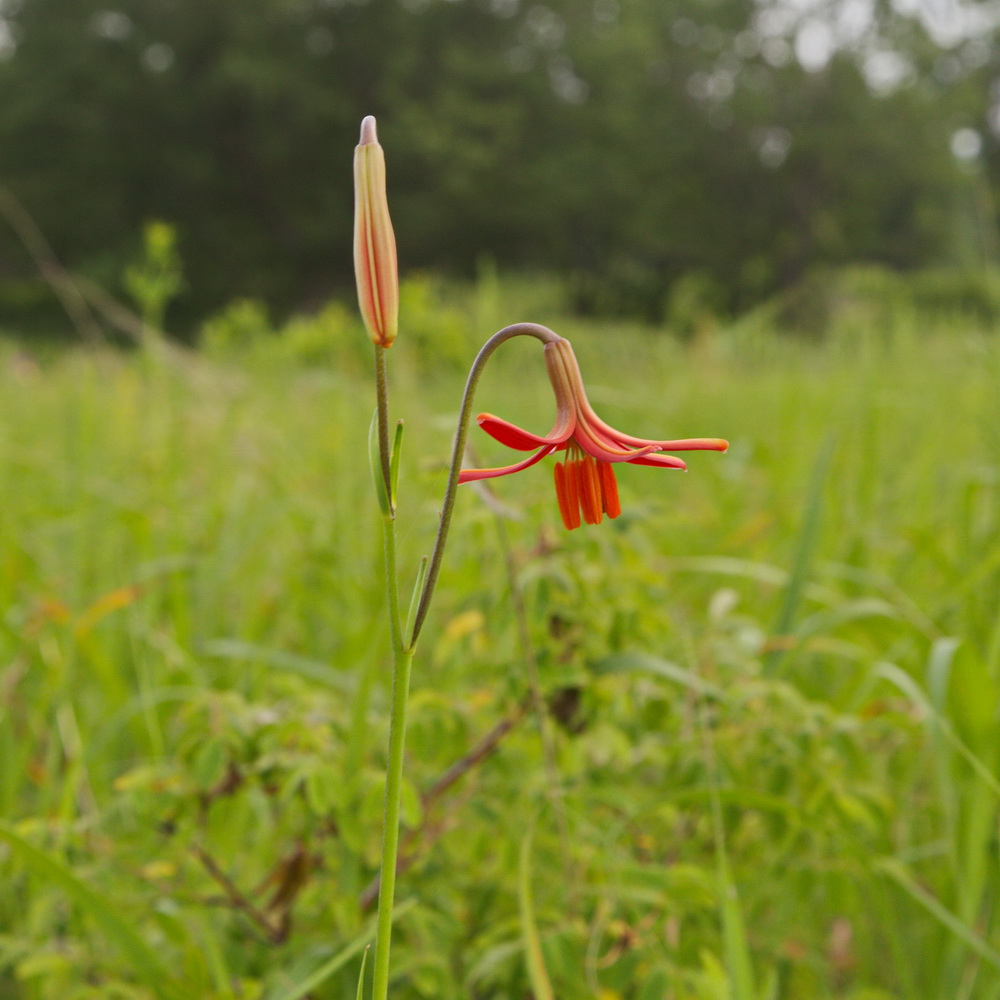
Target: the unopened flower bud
(374, 241)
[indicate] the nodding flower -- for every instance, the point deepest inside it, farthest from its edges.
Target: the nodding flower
(374, 241)
(585, 481)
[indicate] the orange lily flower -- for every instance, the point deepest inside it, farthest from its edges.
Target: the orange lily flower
(585, 482)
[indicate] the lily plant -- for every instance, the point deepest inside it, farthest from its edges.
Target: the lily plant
(586, 487)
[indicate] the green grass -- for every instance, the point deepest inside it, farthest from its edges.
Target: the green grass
(772, 683)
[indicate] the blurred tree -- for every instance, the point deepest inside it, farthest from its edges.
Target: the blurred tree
(626, 143)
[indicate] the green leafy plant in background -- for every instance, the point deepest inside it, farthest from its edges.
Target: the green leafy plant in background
(193, 699)
(156, 279)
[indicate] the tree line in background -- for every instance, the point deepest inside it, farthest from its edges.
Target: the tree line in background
(640, 148)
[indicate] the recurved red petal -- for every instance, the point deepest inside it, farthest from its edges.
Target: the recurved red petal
(473, 475)
(507, 433)
(660, 461)
(518, 438)
(696, 444)
(684, 444)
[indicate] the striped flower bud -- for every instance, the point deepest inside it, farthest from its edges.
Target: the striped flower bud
(374, 242)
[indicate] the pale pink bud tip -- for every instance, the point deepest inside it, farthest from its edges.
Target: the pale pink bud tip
(368, 133)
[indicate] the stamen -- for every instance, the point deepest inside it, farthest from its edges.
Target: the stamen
(590, 490)
(568, 495)
(609, 489)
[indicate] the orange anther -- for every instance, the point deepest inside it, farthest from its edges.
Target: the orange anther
(590, 490)
(609, 489)
(568, 496)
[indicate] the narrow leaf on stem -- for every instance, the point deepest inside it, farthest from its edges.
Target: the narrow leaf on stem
(411, 615)
(397, 447)
(361, 975)
(374, 457)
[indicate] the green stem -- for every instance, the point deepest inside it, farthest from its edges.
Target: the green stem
(382, 404)
(542, 333)
(402, 661)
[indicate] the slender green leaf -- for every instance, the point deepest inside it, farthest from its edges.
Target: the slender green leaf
(361, 974)
(734, 938)
(318, 976)
(397, 448)
(537, 973)
(418, 586)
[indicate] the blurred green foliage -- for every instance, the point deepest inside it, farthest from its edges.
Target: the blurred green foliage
(154, 280)
(623, 144)
(870, 299)
(770, 706)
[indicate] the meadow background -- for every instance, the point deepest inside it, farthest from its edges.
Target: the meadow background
(741, 743)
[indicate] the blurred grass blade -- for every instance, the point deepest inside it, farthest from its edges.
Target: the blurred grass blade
(745, 569)
(993, 652)
(804, 549)
(736, 949)
(143, 960)
(537, 973)
(314, 670)
(939, 670)
(734, 937)
(338, 961)
(361, 974)
(899, 874)
(845, 613)
(645, 663)
(216, 961)
(938, 679)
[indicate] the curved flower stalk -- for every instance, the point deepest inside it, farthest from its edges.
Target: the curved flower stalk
(585, 482)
